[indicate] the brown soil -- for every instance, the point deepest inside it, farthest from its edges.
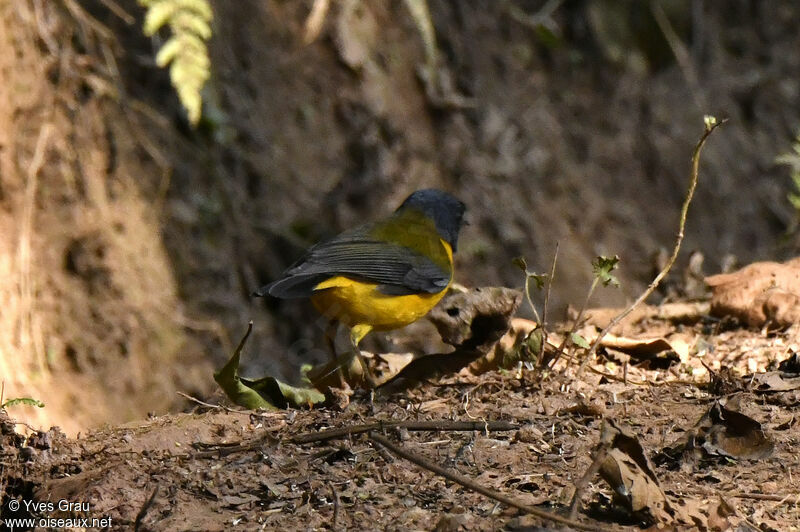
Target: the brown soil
(221, 469)
(130, 244)
(90, 301)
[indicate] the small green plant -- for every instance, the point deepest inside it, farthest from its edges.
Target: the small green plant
(537, 278)
(533, 344)
(185, 51)
(531, 348)
(601, 269)
(267, 392)
(601, 272)
(17, 400)
(792, 160)
(22, 401)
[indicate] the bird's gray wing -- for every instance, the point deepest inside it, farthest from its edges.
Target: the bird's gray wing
(397, 269)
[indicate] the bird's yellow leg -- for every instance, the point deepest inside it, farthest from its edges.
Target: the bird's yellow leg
(357, 333)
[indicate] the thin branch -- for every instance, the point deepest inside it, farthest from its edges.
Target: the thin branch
(788, 498)
(85, 19)
(682, 55)
(201, 403)
(549, 286)
(414, 426)
(335, 505)
(580, 486)
(541, 17)
(528, 297)
(474, 486)
(248, 413)
(221, 450)
(783, 498)
(119, 11)
(143, 512)
(678, 241)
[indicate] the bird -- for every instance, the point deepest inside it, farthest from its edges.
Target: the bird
(382, 275)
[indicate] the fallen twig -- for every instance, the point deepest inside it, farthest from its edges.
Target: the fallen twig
(203, 403)
(474, 486)
(580, 486)
(143, 511)
(787, 498)
(711, 125)
(414, 426)
(335, 497)
(224, 450)
(249, 413)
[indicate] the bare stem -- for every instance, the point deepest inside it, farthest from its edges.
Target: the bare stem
(438, 426)
(678, 241)
(549, 286)
(528, 297)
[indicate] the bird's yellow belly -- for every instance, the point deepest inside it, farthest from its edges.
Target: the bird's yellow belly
(357, 303)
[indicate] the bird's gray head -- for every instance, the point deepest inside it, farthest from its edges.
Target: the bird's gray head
(446, 211)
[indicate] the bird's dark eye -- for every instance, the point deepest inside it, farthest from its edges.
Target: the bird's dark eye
(452, 311)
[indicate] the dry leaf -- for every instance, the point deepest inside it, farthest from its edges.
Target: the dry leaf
(758, 293)
(642, 347)
(632, 487)
(473, 322)
(725, 432)
(790, 365)
(666, 350)
(774, 381)
(676, 312)
(506, 348)
(626, 468)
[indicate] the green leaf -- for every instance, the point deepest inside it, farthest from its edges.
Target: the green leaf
(284, 395)
(304, 369)
(266, 392)
(23, 401)
(579, 340)
(602, 268)
(538, 279)
(535, 342)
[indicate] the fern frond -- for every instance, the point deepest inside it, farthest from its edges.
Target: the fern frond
(185, 51)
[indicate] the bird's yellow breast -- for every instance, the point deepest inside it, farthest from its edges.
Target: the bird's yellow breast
(354, 303)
